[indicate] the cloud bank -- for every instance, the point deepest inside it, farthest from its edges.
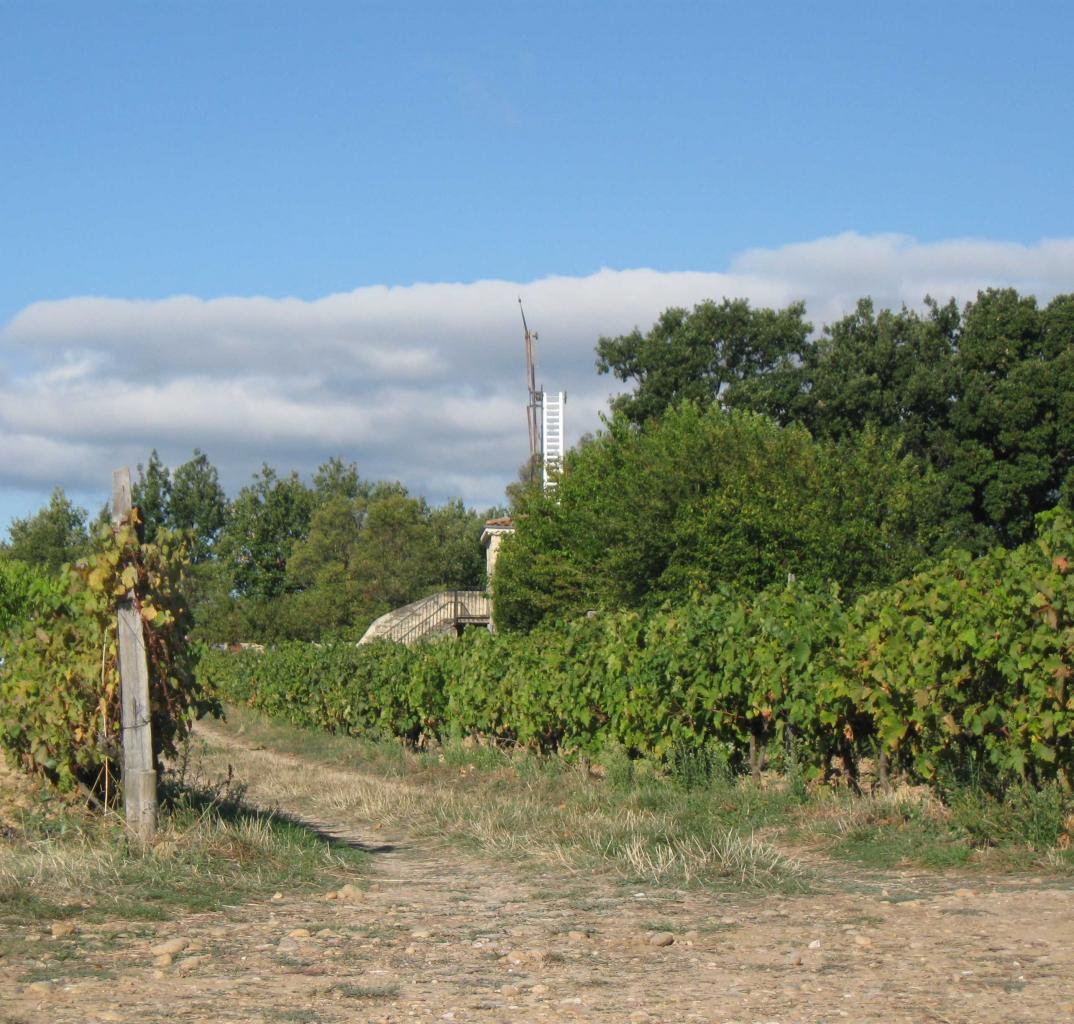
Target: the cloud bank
(422, 383)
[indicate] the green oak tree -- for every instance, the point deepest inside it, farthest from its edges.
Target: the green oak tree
(696, 354)
(268, 517)
(983, 396)
(700, 498)
(53, 536)
(151, 493)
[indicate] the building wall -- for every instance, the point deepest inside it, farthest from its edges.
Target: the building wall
(492, 551)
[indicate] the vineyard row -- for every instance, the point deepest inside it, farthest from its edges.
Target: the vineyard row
(962, 668)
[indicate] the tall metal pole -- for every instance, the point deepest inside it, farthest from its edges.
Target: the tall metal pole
(533, 421)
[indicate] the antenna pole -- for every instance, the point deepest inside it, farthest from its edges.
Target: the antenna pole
(532, 419)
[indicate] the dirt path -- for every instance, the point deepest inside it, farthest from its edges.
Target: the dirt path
(442, 934)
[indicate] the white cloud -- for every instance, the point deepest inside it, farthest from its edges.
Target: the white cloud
(421, 383)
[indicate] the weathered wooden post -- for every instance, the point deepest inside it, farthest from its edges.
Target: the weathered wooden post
(139, 775)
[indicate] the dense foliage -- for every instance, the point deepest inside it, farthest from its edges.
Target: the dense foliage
(59, 686)
(697, 354)
(984, 396)
(699, 498)
(190, 499)
(24, 592)
(964, 668)
(286, 558)
(310, 562)
(51, 537)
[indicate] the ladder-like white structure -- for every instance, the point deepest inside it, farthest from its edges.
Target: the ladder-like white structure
(552, 435)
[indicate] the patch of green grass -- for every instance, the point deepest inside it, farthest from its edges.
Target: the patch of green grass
(661, 924)
(18, 904)
(459, 753)
(1027, 816)
(969, 830)
(297, 1016)
(367, 992)
(885, 832)
(1062, 860)
(886, 847)
(65, 971)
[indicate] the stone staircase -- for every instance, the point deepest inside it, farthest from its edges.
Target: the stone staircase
(450, 610)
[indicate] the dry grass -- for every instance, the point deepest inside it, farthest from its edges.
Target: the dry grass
(911, 826)
(636, 820)
(58, 859)
(844, 815)
(645, 845)
(561, 816)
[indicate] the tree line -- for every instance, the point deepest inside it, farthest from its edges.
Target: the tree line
(982, 395)
(285, 559)
(751, 449)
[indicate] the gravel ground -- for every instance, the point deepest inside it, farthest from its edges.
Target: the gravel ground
(440, 933)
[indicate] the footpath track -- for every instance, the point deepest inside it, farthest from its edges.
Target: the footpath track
(442, 933)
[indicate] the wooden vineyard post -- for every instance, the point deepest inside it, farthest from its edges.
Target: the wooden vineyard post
(139, 775)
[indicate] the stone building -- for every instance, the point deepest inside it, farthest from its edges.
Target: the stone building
(491, 539)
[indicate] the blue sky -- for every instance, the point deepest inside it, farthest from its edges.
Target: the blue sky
(238, 150)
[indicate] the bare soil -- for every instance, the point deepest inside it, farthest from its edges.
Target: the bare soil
(439, 932)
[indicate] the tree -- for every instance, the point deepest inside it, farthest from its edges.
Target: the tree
(528, 479)
(378, 550)
(266, 520)
(696, 355)
(197, 503)
(458, 560)
(701, 498)
(893, 370)
(983, 396)
(191, 500)
(337, 479)
(394, 557)
(52, 537)
(1011, 447)
(151, 493)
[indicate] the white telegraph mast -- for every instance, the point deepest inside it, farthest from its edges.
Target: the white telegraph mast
(552, 435)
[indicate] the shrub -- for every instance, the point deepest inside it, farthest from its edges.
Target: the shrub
(24, 591)
(59, 685)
